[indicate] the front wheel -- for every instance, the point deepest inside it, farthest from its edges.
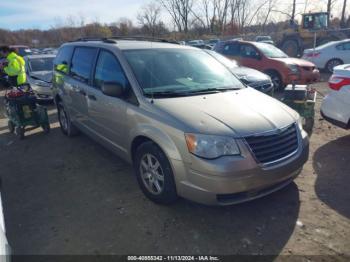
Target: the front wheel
(19, 132)
(276, 80)
(154, 174)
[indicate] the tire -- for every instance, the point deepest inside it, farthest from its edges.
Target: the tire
(309, 125)
(67, 127)
(46, 128)
(11, 126)
(290, 47)
(333, 63)
(154, 174)
(276, 80)
(19, 131)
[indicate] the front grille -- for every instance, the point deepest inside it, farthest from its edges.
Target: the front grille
(271, 148)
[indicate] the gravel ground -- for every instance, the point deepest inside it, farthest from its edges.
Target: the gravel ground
(72, 196)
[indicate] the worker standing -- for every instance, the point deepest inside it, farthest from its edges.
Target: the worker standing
(15, 66)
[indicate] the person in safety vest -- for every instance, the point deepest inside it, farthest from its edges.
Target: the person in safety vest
(15, 66)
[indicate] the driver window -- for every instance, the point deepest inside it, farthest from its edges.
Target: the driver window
(108, 69)
(249, 52)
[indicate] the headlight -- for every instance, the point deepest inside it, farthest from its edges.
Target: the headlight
(293, 68)
(209, 146)
(41, 83)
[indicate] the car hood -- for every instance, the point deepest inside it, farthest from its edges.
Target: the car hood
(294, 61)
(249, 75)
(240, 113)
(45, 76)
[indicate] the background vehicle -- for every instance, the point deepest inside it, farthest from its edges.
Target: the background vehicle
(294, 40)
(195, 42)
(264, 39)
(187, 124)
(212, 42)
(39, 75)
(248, 76)
(267, 58)
(329, 55)
(22, 50)
(336, 105)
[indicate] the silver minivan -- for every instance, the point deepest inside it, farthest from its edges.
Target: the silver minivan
(186, 123)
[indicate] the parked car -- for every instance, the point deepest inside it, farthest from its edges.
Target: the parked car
(186, 123)
(212, 42)
(336, 105)
(195, 42)
(22, 50)
(267, 58)
(248, 76)
(264, 39)
(329, 55)
(39, 75)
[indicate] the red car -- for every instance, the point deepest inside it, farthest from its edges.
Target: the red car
(267, 58)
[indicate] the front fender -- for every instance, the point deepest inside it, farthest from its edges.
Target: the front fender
(160, 137)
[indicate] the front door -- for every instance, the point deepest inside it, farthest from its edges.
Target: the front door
(107, 115)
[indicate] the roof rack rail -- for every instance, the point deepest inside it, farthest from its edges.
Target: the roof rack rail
(143, 38)
(103, 39)
(112, 39)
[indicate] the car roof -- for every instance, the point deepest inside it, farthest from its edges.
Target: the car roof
(128, 44)
(40, 56)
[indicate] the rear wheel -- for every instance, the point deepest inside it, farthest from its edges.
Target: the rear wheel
(333, 63)
(11, 126)
(66, 125)
(154, 174)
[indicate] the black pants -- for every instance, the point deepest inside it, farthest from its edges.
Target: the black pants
(12, 80)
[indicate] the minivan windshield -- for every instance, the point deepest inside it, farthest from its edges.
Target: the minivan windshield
(177, 72)
(270, 50)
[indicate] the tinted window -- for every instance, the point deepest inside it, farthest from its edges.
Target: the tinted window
(61, 62)
(345, 46)
(82, 63)
(231, 49)
(249, 51)
(108, 69)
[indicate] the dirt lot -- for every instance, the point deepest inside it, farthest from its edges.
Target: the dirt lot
(71, 196)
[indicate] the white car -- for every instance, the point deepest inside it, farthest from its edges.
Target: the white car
(5, 250)
(39, 75)
(329, 55)
(335, 107)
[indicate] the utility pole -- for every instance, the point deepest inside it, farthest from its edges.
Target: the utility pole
(342, 21)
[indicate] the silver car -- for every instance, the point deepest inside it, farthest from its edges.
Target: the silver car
(186, 123)
(39, 75)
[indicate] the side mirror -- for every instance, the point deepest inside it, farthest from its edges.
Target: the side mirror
(112, 89)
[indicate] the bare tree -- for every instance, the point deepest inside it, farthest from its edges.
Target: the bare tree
(180, 11)
(149, 17)
(342, 21)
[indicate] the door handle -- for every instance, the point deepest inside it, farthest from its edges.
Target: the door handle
(92, 97)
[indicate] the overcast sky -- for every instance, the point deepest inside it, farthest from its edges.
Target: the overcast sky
(42, 14)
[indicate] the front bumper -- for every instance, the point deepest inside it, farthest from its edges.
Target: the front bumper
(231, 180)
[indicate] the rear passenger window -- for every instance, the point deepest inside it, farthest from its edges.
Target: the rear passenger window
(231, 49)
(82, 63)
(61, 62)
(109, 70)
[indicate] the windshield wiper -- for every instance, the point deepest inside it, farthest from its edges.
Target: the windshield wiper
(213, 90)
(166, 94)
